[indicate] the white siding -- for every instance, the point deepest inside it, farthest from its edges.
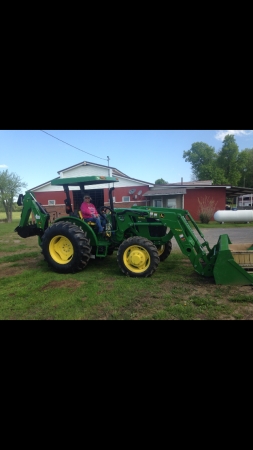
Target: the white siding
(86, 171)
(47, 188)
(126, 182)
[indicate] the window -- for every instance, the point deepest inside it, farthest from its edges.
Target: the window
(158, 203)
(51, 202)
(245, 200)
(126, 198)
(171, 203)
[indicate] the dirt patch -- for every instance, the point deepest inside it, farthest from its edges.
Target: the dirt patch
(62, 284)
(108, 286)
(8, 269)
(209, 289)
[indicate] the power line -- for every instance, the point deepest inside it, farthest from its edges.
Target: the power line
(74, 146)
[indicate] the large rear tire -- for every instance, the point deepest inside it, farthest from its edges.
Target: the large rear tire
(138, 257)
(66, 248)
(164, 250)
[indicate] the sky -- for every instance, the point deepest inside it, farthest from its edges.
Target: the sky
(147, 155)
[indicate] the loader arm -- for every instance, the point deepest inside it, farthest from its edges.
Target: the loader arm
(181, 224)
(229, 264)
(198, 252)
(160, 225)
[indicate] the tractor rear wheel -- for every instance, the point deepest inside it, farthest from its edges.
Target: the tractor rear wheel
(164, 250)
(137, 257)
(66, 248)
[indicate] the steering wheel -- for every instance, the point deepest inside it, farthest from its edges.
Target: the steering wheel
(105, 207)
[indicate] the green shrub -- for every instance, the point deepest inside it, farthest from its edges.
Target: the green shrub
(204, 218)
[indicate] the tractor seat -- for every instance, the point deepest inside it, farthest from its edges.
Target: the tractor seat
(92, 224)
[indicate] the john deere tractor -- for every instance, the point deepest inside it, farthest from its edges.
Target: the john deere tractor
(141, 236)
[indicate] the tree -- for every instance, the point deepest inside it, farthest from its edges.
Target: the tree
(227, 166)
(218, 176)
(161, 181)
(202, 158)
(10, 186)
(229, 160)
(246, 165)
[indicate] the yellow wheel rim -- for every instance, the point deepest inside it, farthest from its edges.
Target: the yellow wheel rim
(160, 250)
(61, 249)
(136, 259)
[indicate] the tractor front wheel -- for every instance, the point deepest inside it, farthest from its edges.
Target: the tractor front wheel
(65, 247)
(138, 257)
(164, 250)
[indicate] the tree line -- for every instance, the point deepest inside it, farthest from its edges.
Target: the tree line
(228, 166)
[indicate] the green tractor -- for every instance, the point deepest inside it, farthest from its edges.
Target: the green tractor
(140, 235)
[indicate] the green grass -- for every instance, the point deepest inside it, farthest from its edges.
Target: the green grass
(15, 215)
(30, 290)
(241, 298)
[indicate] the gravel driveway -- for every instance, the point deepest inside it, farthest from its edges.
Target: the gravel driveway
(236, 235)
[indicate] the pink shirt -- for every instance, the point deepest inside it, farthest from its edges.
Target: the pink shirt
(88, 210)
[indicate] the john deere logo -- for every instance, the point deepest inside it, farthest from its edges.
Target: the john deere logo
(162, 216)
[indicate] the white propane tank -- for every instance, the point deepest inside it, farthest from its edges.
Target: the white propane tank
(234, 216)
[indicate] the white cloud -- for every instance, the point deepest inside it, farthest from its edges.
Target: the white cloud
(221, 133)
(3, 166)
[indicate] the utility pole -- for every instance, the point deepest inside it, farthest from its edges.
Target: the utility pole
(108, 159)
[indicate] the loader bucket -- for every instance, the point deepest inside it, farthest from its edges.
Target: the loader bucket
(233, 262)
